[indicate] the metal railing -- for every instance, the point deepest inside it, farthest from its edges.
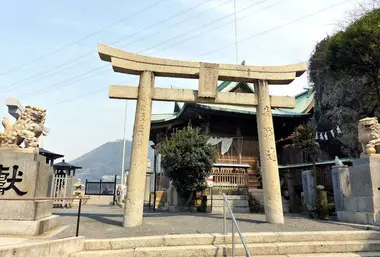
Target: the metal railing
(234, 224)
(51, 198)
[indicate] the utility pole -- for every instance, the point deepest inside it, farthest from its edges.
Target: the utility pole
(236, 35)
(123, 156)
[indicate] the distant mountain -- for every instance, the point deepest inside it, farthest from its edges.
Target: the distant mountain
(105, 160)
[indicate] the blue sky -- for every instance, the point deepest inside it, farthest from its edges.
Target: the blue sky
(72, 82)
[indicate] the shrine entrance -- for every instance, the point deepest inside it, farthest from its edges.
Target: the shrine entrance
(231, 178)
(208, 74)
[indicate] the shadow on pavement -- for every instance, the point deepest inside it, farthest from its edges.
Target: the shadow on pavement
(102, 217)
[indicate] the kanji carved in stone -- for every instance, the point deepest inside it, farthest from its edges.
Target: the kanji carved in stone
(271, 154)
(268, 133)
(266, 110)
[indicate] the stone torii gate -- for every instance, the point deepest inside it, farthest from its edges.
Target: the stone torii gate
(208, 75)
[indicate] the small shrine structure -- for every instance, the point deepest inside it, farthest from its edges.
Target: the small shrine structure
(62, 183)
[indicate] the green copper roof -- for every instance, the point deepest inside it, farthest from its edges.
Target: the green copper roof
(303, 102)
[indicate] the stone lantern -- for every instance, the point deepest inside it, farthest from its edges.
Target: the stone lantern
(147, 183)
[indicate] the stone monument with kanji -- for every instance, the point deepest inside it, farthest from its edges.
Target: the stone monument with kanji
(24, 173)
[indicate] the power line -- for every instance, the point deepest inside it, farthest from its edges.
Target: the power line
(55, 71)
(84, 95)
(77, 97)
(277, 27)
(47, 88)
(83, 38)
(176, 24)
(174, 16)
(236, 36)
(25, 80)
(69, 81)
(204, 25)
(221, 26)
(267, 31)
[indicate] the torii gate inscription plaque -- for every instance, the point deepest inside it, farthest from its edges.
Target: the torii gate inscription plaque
(208, 75)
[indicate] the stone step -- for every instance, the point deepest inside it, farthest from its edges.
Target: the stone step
(256, 191)
(232, 203)
(230, 197)
(235, 209)
(220, 239)
(238, 203)
(259, 249)
(363, 254)
(308, 247)
(258, 196)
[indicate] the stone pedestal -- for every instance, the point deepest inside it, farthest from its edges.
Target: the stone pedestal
(175, 202)
(308, 189)
(25, 174)
(147, 188)
(290, 181)
(341, 185)
(359, 197)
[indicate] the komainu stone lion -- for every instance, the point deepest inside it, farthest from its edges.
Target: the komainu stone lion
(28, 128)
(369, 134)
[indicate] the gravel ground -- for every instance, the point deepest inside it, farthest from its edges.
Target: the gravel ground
(106, 222)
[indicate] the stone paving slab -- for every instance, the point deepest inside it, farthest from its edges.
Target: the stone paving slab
(100, 222)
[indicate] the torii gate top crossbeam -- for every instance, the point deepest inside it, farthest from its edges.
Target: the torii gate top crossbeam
(129, 63)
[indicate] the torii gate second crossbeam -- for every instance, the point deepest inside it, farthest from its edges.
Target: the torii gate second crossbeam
(208, 75)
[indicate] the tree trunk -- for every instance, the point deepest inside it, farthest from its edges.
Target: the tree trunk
(191, 196)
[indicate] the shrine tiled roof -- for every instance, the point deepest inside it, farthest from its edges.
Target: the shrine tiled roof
(66, 165)
(47, 153)
(304, 103)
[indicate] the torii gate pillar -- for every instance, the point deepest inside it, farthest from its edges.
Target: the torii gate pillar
(208, 75)
(268, 156)
(140, 145)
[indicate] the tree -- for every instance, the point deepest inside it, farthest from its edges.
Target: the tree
(304, 139)
(355, 51)
(361, 9)
(188, 160)
(344, 71)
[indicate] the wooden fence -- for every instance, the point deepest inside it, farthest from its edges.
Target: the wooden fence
(229, 177)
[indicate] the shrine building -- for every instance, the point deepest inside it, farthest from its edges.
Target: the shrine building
(234, 130)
